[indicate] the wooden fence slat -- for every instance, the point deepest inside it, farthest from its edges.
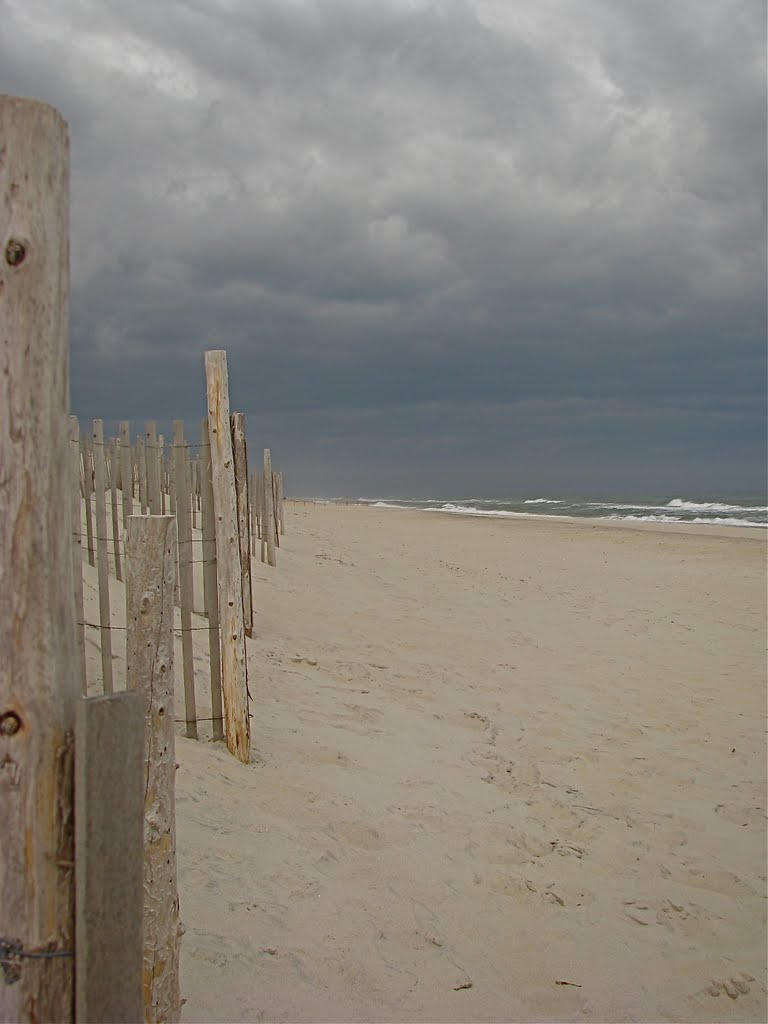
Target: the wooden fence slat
(240, 454)
(115, 516)
(153, 473)
(161, 472)
(77, 550)
(280, 511)
(149, 583)
(234, 665)
(88, 493)
(126, 470)
(141, 461)
(269, 509)
(38, 663)
(109, 845)
(102, 557)
(210, 589)
(185, 574)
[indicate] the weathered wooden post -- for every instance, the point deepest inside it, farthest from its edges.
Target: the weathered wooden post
(185, 573)
(102, 556)
(39, 679)
(77, 551)
(141, 465)
(234, 665)
(115, 516)
(153, 468)
(210, 593)
(280, 510)
(239, 451)
(268, 526)
(150, 576)
(109, 847)
(126, 470)
(87, 493)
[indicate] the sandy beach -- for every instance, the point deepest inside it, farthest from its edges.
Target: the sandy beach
(503, 771)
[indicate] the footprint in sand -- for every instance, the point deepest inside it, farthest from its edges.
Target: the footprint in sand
(356, 834)
(734, 986)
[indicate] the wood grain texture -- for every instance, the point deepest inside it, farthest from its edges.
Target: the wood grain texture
(149, 585)
(234, 677)
(38, 668)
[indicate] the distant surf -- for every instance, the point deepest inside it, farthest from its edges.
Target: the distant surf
(702, 511)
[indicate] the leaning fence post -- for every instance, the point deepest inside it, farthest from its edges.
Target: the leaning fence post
(39, 681)
(150, 575)
(234, 668)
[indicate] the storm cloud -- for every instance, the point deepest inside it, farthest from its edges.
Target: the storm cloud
(479, 246)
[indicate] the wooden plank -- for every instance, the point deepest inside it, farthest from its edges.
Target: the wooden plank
(268, 527)
(252, 510)
(234, 671)
(109, 850)
(161, 472)
(115, 516)
(262, 532)
(88, 494)
(126, 470)
(240, 453)
(39, 676)
(280, 510)
(102, 557)
(194, 490)
(185, 574)
(149, 583)
(141, 462)
(210, 590)
(153, 475)
(77, 551)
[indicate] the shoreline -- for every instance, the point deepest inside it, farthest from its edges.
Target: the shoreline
(759, 533)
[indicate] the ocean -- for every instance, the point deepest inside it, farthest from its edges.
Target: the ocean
(719, 510)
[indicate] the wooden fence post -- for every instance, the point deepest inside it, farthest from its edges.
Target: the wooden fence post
(234, 664)
(87, 493)
(109, 846)
(150, 575)
(102, 556)
(115, 516)
(268, 526)
(239, 451)
(141, 466)
(77, 550)
(185, 573)
(210, 591)
(126, 470)
(153, 474)
(39, 681)
(280, 512)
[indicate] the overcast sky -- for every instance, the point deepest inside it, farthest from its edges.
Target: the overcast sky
(455, 247)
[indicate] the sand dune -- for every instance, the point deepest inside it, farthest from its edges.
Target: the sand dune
(503, 771)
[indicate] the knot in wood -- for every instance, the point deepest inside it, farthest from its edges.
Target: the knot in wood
(10, 723)
(15, 252)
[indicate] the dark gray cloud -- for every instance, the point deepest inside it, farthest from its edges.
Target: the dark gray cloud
(449, 246)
